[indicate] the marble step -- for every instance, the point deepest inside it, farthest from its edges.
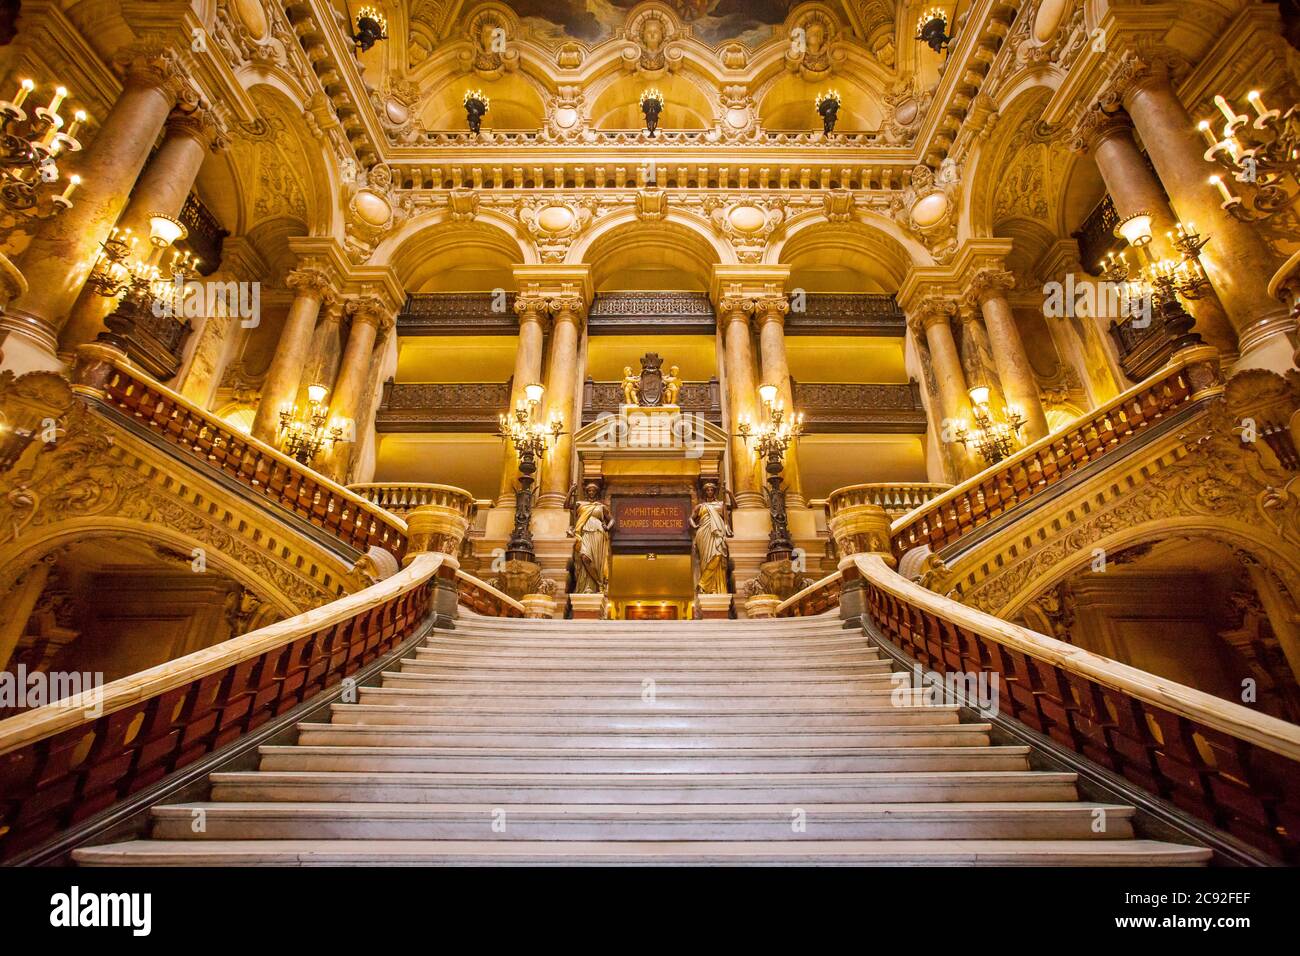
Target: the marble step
(621, 671)
(976, 786)
(394, 735)
(504, 716)
(673, 643)
(539, 703)
(841, 821)
(685, 853)
(362, 759)
(747, 658)
(713, 628)
(535, 683)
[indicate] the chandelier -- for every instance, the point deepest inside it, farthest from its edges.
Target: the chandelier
(652, 104)
(994, 440)
(931, 27)
(118, 269)
(772, 440)
(305, 433)
(371, 28)
(530, 440)
(1161, 278)
(828, 105)
(29, 150)
(1264, 155)
(476, 107)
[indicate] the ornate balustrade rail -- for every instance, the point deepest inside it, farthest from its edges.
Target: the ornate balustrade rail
(427, 406)
(254, 464)
(1225, 764)
(856, 407)
(466, 313)
(401, 498)
(1191, 377)
(65, 762)
(897, 498)
(483, 598)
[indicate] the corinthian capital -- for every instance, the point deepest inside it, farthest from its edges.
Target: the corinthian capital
(989, 282)
(532, 307)
(934, 309)
(771, 308)
(1149, 66)
(151, 64)
(200, 123)
(369, 310)
(1099, 122)
(309, 281)
(567, 308)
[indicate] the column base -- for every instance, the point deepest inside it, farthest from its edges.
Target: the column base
(589, 607)
(762, 606)
(28, 344)
(539, 606)
(1267, 344)
(714, 607)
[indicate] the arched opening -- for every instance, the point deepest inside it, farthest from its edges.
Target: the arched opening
(618, 106)
(513, 104)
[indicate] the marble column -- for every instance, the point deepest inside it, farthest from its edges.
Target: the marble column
(742, 396)
(561, 392)
(989, 288)
(284, 377)
(770, 314)
(932, 318)
(61, 254)
(532, 312)
(1134, 189)
(368, 313)
(162, 188)
(1237, 259)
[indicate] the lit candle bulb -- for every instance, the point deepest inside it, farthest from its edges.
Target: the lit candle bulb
(1224, 191)
(73, 182)
(1234, 148)
(1257, 102)
(60, 94)
(1204, 127)
(24, 88)
(78, 118)
(1225, 109)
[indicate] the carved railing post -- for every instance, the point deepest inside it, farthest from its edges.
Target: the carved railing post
(439, 526)
(859, 526)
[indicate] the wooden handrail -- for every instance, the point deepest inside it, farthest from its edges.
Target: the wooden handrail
(1191, 376)
(71, 759)
(253, 463)
(483, 598)
(1237, 769)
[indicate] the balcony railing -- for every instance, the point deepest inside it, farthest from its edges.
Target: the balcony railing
(441, 407)
(853, 407)
(401, 498)
(255, 465)
(697, 398)
(828, 313)
(896, 498)
(1193, 375)
(458, 313)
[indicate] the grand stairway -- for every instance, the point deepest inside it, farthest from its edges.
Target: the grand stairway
(547, 742)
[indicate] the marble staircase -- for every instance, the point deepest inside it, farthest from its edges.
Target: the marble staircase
(709, 742)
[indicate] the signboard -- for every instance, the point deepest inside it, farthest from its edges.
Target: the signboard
(644, 522)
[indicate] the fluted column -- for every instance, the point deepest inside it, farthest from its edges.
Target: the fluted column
(284, 377)
(1134, 189)
(162, 188)
(58, 259)
(932, 318)
(561, 390)
(532, 312)
(742, 395)
(1237, 260)
(368, 313)
(770, 312)
(989, 288)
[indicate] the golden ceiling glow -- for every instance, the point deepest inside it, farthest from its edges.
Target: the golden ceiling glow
(468, 461)
(695, 355)
(844, 358)
(456, 358)
(827, 462)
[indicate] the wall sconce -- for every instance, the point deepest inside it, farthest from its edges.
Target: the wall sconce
(652, 104)
(930, 29)
(531, 439)
(1269, 156)
(371, 28)
(476, 107)
(305, 434)
(828, 105)
(993, 440)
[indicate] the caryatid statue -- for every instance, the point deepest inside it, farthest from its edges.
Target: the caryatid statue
(590, 528)
(711, 523)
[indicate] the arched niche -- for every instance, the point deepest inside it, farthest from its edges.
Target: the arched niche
(789, 104)
(844, 257)
(618, 105)
(513, 104)
(650, 256)
(457, 257)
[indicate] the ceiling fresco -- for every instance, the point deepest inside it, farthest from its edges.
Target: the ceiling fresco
(713, 21)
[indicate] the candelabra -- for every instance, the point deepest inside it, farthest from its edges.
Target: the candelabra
(931, 29)
(371, 28)
(773, 438)
(1263, 154)
(305, 433)
(994, 440)
(29, 149)
(652, 104)
(531, 440)
(828, 105)
(1183, 277)
(476, 107)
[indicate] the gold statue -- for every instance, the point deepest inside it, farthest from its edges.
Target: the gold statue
(711, 523)
(591, 523)
(672, 385)
(630, 385)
